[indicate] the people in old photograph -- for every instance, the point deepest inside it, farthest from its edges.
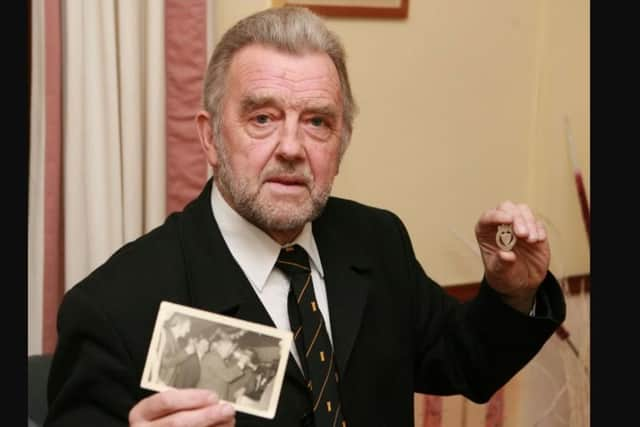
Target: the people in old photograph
(239, 365)
(259, 366)
(218, 371)
(179, 365)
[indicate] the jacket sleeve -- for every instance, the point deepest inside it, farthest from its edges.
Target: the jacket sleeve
(91, 381)
(474, 348)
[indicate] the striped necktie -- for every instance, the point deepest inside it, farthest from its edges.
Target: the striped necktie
(311, 338)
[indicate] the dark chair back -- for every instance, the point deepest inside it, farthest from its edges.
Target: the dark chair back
(38, 374)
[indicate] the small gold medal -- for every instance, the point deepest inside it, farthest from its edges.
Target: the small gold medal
(505, 238)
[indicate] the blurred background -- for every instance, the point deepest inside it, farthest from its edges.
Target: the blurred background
(463, 104)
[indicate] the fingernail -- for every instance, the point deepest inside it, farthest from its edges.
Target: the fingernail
(227, 410)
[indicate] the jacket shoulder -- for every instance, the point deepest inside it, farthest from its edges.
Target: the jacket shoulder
(356, 215)
(148, 258)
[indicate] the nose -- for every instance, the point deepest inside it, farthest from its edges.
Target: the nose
(291, 143)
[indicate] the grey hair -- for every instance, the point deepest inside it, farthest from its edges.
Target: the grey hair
(294, 30)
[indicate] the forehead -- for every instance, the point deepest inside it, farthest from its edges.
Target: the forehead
(258, 69)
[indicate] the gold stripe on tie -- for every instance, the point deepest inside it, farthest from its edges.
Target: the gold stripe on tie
(335, 417)
(304, 288)
(295, 264)
(304, 311)
(324, 384)
(315, 337)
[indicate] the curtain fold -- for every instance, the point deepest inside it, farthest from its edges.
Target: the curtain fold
(114, 116)
(154, 164)
(53, 239)
(186, 47)
(97, 142)
(93, 146)
(35, 273)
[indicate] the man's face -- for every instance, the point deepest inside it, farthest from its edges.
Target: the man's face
(224, 347)
(280, 138)
(202, 346)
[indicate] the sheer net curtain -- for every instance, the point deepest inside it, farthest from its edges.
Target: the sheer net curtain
(35, 246)
(113, 122)
(98, 161)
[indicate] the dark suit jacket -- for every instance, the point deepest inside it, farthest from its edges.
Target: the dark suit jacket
(395, 331)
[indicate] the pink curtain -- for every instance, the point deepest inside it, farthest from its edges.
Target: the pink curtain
(185, 50)
(53, 219)
(186, 167)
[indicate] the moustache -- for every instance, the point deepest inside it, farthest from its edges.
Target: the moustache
(288, 176)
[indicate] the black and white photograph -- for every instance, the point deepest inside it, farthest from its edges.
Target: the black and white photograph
(243, 362)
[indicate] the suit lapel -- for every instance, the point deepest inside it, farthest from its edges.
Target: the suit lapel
(216, 282)
(347, 282)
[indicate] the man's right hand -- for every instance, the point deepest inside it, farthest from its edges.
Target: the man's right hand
(184, 408)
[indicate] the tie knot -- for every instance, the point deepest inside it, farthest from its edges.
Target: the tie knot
(293, 260)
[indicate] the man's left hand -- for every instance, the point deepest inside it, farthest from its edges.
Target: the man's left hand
(515, 274)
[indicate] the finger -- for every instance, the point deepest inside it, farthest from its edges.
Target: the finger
(529, 223)
(220, 414)
(231, 423)
(504, 213)
(507, 256)
(495, 216)
(507, 205)
(542, 231)
(170, 401)
(520, 227)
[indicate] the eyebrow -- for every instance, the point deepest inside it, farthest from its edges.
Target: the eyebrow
(322, 110)
(252, 102)
(249, 103)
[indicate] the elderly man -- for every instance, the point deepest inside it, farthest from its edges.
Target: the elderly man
(264, 242)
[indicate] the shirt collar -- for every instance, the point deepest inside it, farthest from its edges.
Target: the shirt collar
(253, 249)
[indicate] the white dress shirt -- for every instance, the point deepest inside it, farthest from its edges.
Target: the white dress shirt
(256, 254)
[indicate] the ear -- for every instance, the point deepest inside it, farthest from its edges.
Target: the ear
(205, 134)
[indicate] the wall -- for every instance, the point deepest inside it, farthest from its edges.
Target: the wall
(562, 90)
(461, 107)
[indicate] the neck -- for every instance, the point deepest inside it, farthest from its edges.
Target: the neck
(284, 237)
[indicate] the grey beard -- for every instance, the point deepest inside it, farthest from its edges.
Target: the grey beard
(267, 216)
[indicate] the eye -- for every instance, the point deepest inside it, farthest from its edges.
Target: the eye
(261, 119)
(317, 121)
(261, 124)
(319, 126)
